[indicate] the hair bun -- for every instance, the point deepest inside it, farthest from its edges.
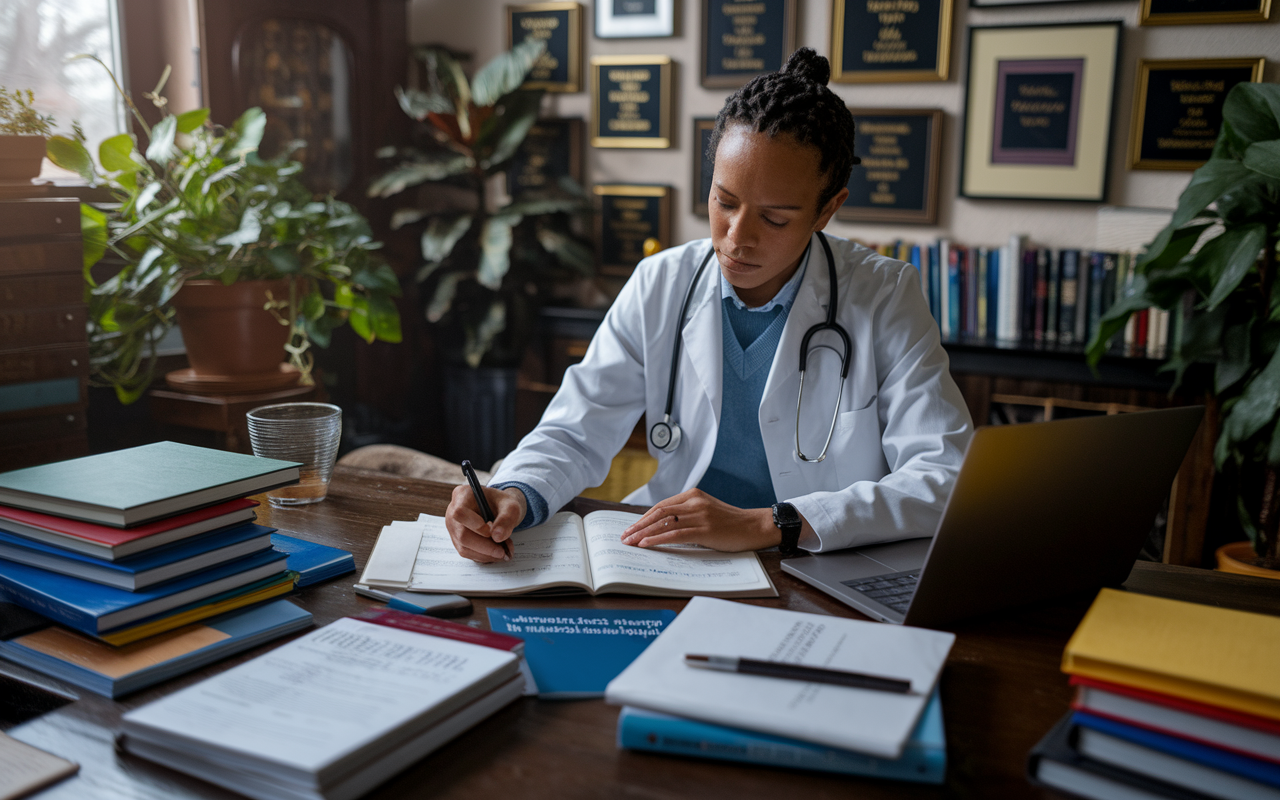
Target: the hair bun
(807, 64)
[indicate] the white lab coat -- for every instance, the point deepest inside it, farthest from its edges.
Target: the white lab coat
(901, 430)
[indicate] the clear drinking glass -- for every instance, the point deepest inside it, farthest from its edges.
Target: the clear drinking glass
(308, 433)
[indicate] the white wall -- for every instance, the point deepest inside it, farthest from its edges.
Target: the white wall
(478, 26)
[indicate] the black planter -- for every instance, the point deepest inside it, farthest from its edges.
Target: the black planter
(480, 413)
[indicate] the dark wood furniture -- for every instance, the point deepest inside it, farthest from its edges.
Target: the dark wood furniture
(1001, 691)
(44, 351)
(224, 414)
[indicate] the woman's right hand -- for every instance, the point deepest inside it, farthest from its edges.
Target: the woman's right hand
(481, 541)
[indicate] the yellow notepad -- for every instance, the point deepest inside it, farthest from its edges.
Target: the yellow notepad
(1211, 655)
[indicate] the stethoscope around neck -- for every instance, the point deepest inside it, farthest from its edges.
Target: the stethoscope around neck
(665, 435)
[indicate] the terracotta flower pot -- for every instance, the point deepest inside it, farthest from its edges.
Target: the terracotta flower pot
(20, 157)
(226, 329)
(1235, 558)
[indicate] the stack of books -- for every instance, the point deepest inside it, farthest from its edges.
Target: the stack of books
(672, 708)
(1029, 295)
(335, 712)
(1173, 700)
(125, 551)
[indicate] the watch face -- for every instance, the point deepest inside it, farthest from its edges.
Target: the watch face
(785, 514)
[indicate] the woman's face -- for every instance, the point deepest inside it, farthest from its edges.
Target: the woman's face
(764, 209)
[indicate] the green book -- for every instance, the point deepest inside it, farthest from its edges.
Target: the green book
(129, 487)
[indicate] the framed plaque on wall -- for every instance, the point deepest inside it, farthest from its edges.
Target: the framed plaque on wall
(703, 167)
(897, 180)
(745, 38)
(559, 68)
(1177, 109)
(885, 41)
(1199, 12)
(1038, 111)
(632, 221)
(551, 149)
(635, 19)
(631, 101)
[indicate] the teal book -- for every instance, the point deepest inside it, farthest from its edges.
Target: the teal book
(923, 760)
(575, 652)
(128, 487)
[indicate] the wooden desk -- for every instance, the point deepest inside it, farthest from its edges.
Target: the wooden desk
(1001, 692)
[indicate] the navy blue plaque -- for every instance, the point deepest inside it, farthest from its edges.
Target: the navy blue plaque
(745, 38)
(890, 40)
(1037, 111)
(559, 68)
(703, 166)
(632, 221)
(551, 149)
(897, 179)
(635, 8)
(1196, 12)
(1178, 112)
(631, 101)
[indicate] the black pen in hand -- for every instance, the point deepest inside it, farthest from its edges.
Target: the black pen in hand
(486, 513)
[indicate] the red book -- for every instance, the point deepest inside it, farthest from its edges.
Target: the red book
(1219, 727)
(433, 626)
(101, 541)
(1140, 336)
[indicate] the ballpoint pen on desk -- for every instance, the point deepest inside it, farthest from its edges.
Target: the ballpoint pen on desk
(486, 512)
(799, 672)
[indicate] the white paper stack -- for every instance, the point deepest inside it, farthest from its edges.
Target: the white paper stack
(864, 720)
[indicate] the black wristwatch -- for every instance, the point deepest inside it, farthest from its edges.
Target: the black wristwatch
(787, 519)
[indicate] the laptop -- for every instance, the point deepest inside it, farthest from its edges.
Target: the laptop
(1039, 510)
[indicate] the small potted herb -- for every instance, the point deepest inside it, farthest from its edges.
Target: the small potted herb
(23, 132)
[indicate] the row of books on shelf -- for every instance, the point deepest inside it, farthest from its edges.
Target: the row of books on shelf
(1173, 700)
(124, 569)
(1028, 295)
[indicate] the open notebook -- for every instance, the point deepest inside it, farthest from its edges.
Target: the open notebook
(568, 551)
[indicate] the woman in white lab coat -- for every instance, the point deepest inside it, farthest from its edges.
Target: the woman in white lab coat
(751, 467)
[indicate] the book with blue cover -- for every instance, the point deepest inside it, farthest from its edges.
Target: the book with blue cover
(313, 562)
(575, 652)
(117, 671)
(94, 608)
(923, 760)
(1212, 758)
(149, 568)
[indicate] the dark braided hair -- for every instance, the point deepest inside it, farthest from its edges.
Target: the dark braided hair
(796, 101)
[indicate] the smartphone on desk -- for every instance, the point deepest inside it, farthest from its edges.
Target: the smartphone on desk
(435, 605)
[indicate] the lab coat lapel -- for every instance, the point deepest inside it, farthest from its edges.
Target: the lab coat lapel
(808, 310)
(703, 345)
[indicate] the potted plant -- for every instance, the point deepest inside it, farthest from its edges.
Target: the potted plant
(1217, 258)
(486, 269)
(23, 132)
(203, 223)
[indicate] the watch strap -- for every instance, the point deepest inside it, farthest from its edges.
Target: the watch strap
(788, 521)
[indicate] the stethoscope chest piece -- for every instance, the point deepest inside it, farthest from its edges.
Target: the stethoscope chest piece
(665, 435)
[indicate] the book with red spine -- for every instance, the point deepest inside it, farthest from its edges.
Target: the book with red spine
(1235, 731)
(108, 543)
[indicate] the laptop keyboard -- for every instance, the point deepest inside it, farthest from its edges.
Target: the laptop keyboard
(893, 590)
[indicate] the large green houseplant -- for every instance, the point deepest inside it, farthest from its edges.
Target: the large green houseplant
(1220, 250)
(485, 269)
(196, 202)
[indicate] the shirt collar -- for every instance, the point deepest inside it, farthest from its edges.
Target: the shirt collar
(783, 298)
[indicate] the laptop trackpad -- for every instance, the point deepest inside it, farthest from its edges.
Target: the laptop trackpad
(844, 565)
(899, 556)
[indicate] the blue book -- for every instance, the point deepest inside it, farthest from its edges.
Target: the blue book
(954, 293)
(117, 671)
(575, 652)
(1215, 758)
(313, 562)
(993, 293)
(149, 568)
(95, 609)
(923, 760)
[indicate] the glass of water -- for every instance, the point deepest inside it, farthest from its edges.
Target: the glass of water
(308, 433)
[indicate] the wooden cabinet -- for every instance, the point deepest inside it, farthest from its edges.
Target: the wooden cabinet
(44, 352)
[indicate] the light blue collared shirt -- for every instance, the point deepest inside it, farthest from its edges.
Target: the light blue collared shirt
(784, 296)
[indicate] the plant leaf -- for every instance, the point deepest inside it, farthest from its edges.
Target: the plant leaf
(569, 251)
(481, 338)
(248, 131)
(502, 133)
(546, 205)
(442, 234)
(160, 149)
(406, 216)
(188, 121)
(1253, 111)
(93, 231)
(1264, 157)
(1113, 321)
(384, 319)
(495, 251)
(359, 319)
(1256, 408)
(505, 72)
(250, 231)
(70, 154)
(418, 104)
(442, 300)
(116, 154)
(415, 172)
(1238, 249)
(1233, 363)
(1207, 184)
(145, 196)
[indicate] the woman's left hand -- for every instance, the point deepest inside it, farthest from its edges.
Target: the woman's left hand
(695, 517)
